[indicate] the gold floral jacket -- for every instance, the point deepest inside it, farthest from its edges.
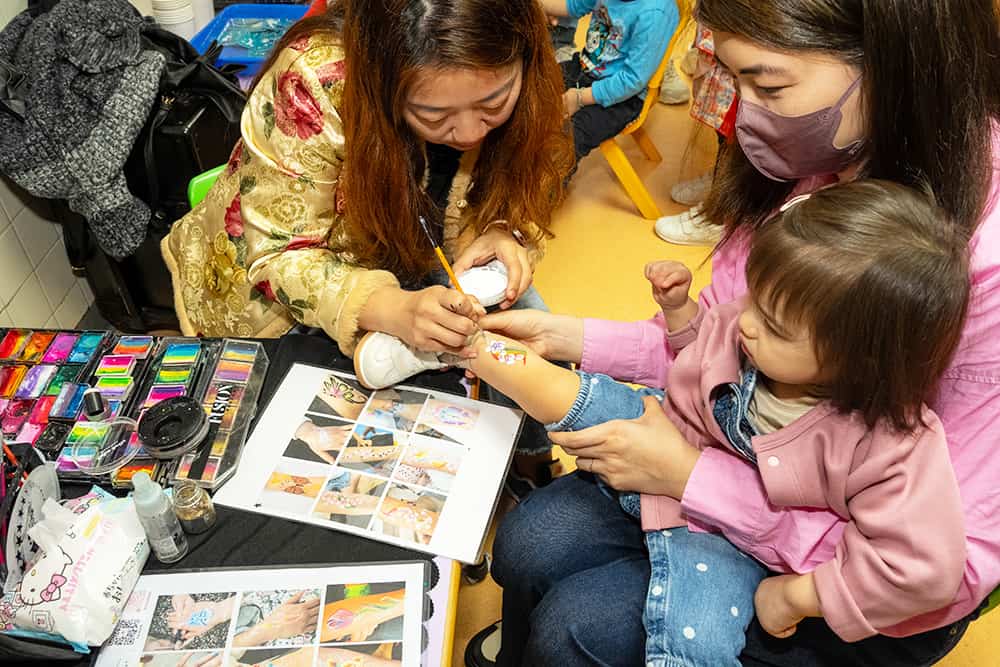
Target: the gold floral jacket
(253, 257)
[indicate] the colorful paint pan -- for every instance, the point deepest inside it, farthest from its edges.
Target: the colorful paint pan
(233, 371)
(181, 353)
(35, 348)
(86, 346)
(40, 413)
(68, 458)
(68, 402)
(60, 348)
(12, 344)
(162, 393)
(63, 375)
(137, 346)
(35, 381)
(168, 375)
(116, 364)
(123, 476)
(16, 416)
(239, 351)
(3, 405)
(117, 386)
(10, 379)
(30, 432)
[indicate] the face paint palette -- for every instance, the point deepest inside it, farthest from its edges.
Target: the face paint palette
(230, 401)
(35, 347)
(12, 344)
(59, 350)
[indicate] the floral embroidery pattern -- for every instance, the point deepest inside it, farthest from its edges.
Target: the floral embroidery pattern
(223, 273)
(234, 218)
(330, 72)
(296, 112)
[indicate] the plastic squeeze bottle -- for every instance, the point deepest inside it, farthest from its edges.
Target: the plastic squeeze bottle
(156, 514)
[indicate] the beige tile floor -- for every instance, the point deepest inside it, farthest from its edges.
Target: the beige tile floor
(599, 227)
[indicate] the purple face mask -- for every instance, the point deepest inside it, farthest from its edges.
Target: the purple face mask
(787, 148)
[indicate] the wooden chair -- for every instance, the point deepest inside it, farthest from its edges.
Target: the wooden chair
(612, 151)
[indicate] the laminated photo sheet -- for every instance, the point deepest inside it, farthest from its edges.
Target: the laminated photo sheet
(291, 617)
(414, 467)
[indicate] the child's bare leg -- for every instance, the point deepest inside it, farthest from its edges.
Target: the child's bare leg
(542, 389)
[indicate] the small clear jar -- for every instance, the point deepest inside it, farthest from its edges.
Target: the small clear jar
(193, 507)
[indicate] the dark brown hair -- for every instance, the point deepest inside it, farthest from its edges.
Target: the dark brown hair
(523, 163)
(875, 273)
(930, 89)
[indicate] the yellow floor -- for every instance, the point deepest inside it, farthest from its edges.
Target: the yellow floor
(594, 268)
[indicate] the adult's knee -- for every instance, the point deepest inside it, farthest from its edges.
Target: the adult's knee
(518, 546)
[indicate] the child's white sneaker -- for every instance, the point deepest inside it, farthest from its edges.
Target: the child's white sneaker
(673, 89)
(381, 360)
(692, 192)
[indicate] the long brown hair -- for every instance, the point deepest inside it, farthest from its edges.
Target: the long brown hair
(875, 273)
(523, 163)
(930, 89)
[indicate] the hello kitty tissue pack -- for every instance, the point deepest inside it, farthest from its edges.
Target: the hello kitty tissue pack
(91, 552)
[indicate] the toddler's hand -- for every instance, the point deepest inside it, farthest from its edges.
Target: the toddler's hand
(671, 282)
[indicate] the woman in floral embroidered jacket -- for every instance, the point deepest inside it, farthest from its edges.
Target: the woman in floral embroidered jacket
(363, 119)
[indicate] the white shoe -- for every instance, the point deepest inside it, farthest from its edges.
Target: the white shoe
(689, 61)
(692, 192)
(381, 360)
(673, 89)
(688, 228)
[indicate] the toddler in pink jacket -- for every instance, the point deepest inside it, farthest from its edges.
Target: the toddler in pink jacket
(819, 379)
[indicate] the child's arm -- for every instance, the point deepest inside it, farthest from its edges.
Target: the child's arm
(902, 553)
(671, 283)
(782, 602)
(556, 7)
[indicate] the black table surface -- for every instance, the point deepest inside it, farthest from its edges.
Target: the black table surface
(242, 539)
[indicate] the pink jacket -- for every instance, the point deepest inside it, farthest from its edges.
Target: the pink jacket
(725, 494)
(903, 548)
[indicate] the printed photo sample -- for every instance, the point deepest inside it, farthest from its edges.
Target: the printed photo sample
(274, 657)
(394, 409)
(453, 419)
(431, 463)
(182, 659)
(340, 397)
(362, 655)
(277, 618)
(319, 439)
(365, 612)
(349, 498)
(192, 622)
(408, 513)
(372, 450)
(293, 486)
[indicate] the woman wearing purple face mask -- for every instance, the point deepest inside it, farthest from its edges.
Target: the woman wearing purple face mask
(831, 90)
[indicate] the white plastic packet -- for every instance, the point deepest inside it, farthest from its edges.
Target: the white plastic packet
(91, 555)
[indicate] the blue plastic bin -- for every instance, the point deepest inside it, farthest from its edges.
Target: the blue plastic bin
(236, 54)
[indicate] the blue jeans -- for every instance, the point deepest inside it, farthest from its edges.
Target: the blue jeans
(694, 621)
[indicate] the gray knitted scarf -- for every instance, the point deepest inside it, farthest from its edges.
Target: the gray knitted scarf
(88, 90)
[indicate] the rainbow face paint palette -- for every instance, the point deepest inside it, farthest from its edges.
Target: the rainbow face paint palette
(12, 344)
(230, 401)
(138, 347)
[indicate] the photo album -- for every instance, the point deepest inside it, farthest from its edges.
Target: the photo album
(418, 468)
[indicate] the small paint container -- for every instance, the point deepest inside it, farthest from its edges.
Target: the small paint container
(193, 507)
(173, 427)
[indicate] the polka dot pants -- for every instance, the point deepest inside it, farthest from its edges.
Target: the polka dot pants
(700, 599)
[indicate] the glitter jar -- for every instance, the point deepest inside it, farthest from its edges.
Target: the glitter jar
(193, 507)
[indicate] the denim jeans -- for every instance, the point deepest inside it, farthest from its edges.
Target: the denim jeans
(695, 621)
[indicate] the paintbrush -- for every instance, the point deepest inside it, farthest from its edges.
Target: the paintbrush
(474, 392)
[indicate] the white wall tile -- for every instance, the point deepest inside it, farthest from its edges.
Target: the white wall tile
(55, 276)
(85, 286)
(71, 310)
(37, 235)
(4, 220)
(14, 265)
(10, 200)
(29, 307)
(5, 319)
(52, 323)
